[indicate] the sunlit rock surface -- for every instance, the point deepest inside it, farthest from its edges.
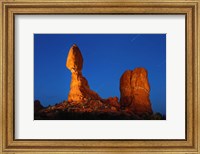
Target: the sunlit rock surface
(134, 90)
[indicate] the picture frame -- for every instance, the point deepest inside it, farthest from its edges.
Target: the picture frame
(11, 8)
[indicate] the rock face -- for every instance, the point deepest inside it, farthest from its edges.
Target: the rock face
(79, 87)
(134, 89)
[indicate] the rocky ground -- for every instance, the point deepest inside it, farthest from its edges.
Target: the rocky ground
(89, 110)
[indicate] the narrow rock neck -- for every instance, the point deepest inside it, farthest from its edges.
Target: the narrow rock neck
(76, 73)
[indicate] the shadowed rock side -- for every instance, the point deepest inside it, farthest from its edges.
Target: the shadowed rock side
(134, 90)
(79, 87)
(37, 106)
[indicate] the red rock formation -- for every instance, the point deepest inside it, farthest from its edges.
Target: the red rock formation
(134, 89)
(79, 87)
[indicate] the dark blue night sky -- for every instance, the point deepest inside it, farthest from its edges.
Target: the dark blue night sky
(106, 57)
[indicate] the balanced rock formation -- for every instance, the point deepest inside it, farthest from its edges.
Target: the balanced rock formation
(134, 90)
(79, 87)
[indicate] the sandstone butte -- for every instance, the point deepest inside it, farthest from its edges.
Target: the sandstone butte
(134, 91)
(79, 87)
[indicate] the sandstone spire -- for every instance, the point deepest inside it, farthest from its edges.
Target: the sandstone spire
(79, 87)
(134, 89)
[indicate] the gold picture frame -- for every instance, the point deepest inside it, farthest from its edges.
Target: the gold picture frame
(9, 8)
